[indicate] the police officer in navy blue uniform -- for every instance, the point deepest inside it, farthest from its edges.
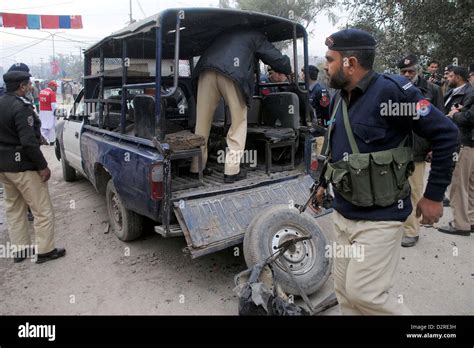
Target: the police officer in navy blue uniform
(409, 68)
(319, 97)
(370, 132)
(24, 173)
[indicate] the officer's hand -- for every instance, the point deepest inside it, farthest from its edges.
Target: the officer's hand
(45, 174)
(320, 195)
(430, 211)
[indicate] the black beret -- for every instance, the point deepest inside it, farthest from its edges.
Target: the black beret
(448, 67)
(350, 39)
(408, 61)
(16, 76)
(19, 67)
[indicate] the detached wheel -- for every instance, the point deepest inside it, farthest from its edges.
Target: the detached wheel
(306, 259)
(69, 173)
(127, 225)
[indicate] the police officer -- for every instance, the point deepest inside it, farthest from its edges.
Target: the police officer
(409, 68)
(24, 171)
(319, 99)
(368, 168)
(226, 69)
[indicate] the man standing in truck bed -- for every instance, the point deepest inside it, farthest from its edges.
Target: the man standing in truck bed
(370, 161)
(226, 69)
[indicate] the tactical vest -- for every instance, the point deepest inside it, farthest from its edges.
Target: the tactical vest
(367, 179)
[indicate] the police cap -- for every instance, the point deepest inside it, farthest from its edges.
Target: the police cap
(350, 39)
(16, 76)
(408, 61)
(19, 67)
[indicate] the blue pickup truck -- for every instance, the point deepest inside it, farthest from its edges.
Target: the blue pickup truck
(130, 133)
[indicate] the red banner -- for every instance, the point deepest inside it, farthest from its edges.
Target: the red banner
(15, 20)
(76, 22)
(49, 22)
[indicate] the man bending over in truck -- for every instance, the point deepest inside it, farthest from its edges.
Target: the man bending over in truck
(226, 69)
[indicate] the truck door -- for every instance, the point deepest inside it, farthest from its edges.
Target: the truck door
(72, 134)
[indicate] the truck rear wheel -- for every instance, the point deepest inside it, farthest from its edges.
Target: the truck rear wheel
(306, 259)
(69, 173)
(127, 225)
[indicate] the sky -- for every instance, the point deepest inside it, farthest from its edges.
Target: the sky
(99, 19)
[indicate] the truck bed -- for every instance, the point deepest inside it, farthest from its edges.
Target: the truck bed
(214, 183)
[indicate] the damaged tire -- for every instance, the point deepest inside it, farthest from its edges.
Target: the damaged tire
(126, 224)
(306, 259)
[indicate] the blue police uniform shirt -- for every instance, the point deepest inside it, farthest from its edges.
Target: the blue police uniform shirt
(374, 132)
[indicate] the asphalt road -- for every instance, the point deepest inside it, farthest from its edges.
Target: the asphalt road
(102, 275)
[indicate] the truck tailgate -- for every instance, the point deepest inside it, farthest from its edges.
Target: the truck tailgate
(220, 221)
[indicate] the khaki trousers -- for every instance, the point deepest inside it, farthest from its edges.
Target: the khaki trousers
(319, 144)
(362, 285)
(462, 190)
(411, 228)
(211, 87)
(20, 191)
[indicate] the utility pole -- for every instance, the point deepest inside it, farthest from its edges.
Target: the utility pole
(52, 36)
(131, 17)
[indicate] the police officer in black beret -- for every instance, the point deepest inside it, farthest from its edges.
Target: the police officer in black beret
(409, 68)
(24, 172)
(370, 159)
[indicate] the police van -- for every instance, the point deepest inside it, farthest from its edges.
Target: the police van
(130, 134)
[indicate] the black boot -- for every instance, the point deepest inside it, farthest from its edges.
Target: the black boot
(52, 255)
(229, 179)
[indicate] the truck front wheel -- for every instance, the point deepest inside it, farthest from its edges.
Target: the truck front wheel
(69, 173)
(127, 225)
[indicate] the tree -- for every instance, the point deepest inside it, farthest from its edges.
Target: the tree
(302, 11)
(437, 29)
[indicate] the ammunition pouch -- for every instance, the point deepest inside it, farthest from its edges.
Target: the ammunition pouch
(376, 178)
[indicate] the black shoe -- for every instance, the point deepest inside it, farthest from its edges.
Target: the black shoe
(52, 255)
(451, 230)
(23, 255)
(205, 171)
(409, 241)
(446, 202)
(229, 179)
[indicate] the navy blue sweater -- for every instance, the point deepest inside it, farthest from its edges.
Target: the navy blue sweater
(374, 132)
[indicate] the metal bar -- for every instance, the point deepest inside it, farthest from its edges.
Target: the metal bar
(295, 58)
(140, 85)
(306, 75)
(101, 88)
(91, 77)
(123, 110)
(157, 86)
(176, 58)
